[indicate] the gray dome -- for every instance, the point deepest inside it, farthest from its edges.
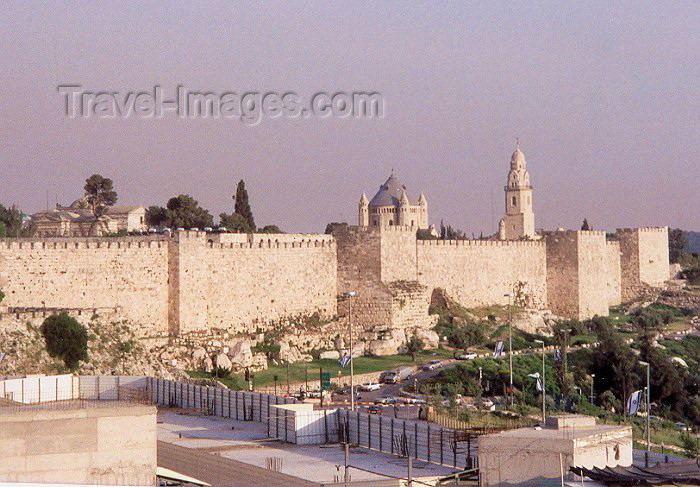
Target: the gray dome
(389, 193)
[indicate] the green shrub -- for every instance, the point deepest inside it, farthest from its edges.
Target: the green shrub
(65, 338)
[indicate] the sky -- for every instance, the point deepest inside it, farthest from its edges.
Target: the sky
(603, 96)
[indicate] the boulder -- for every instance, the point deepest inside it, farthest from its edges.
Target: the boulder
(383, 347)
(241, 355)
(429, 338)
(292, 354)
(222, 361)
(339, 343)
(329, 355)
(201, 360)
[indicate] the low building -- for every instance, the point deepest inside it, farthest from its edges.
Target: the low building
(77, 220)
(532, 456)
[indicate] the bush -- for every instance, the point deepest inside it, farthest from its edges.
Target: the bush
(66, 339)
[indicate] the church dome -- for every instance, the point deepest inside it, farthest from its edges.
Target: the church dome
(389, 193)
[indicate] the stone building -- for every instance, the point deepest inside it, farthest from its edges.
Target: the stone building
(393, 206)
(519, 220)
(77, 220)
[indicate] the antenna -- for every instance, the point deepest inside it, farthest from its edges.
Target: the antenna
(47, 201)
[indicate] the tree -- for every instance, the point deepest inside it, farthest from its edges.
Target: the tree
(65, 338)
(414, 346)
(449, 233)
(614, 364)
(270, 229)
(241, 205)
(185, 212)
(100, 194)
(585, 225)
(2, 296)
(235, 223)
(677, 242)
(12, 223)
(156, 216)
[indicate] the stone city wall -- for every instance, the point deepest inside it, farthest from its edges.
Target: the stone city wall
(129, 273)
(482, 272)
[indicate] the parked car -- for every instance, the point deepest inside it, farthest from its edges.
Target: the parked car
(466, 356)
(374, 410)
(370, 386)
(432, 365)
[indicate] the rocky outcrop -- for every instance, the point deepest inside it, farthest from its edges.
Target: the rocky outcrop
(201, 360)
(223, 362)
(429, 338)
(292, 355)
(241, 355)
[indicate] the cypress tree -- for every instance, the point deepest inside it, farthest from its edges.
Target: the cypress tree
(242, 207)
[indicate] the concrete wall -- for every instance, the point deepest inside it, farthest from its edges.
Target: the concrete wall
(527, 460)
(114, 446)
(478, 272)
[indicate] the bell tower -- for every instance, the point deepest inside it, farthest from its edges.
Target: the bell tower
(519, 220)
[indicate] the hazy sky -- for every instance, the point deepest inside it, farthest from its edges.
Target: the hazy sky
(605, 99)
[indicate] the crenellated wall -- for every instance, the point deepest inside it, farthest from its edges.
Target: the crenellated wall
(613, 272)
(193, 281)
(483, 272)
(577, 273)
(130, 274)
(172, 285)
(644, 258)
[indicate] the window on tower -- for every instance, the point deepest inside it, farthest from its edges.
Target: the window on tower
(513, 201)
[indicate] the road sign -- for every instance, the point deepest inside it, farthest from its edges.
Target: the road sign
(326, 381)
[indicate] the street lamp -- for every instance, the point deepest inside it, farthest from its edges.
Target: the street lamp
(646, 364)
(510, 345)
(592, 379)
(544, 413)
(349, 295)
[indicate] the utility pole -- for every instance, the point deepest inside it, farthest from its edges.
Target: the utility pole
(346, 480)
(410, 471)
(287, 378)
(349, 295)
(544, 407)
(646, 364)
(510, 345)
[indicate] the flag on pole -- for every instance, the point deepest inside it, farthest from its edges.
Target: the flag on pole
(633, 403)
(536, 375)
(498, 351)
(345, 360)
(2, 356)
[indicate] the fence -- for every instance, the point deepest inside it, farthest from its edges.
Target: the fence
(424, 441)
(70, 392)
(304, 427)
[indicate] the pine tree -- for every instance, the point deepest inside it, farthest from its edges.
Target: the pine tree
(242, 207)
(585, 225)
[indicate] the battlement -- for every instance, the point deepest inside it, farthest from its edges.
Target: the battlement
(582, 233)
(274, 244)
(84, 243)
(482, 243)
(643, 230)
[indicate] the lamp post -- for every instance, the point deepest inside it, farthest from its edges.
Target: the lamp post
(592, 379)
(349, 295)
(646, 364)
(510, 345)
(544, 410)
